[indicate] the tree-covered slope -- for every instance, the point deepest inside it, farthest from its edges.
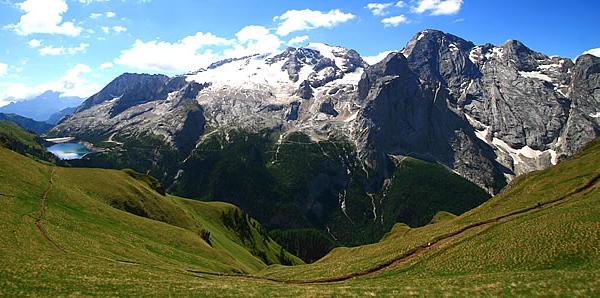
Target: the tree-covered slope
(315, 195)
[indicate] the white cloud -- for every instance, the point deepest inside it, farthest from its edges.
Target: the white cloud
(87, 2)
(595, 52)
(73, 83)
(95, 15)
(44, 16)
(199, 50)
(110, 14)
(106, 65)
(116, 29)
(438, 7)
(54, 51)
(376, 58)
(3, 69)
(119, 29)
(252, 40)
(378, 9)
(395, 21)
(34, 43)
(400, 4)
(299, 20)
(182, 55)
(51, 51)
(298, 40)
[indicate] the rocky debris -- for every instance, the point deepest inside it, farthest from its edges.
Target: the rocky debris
(304, 91)
(294, 59)
(292, 113)
(328, 108)
(325, 75)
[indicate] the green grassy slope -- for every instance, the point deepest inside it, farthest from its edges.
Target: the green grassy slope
(109, 216)
(15, 138)
(539, 237)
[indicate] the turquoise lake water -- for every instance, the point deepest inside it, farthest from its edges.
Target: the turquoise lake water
(69, 151)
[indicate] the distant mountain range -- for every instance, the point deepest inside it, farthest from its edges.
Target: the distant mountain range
(43, 107)
(316, 138)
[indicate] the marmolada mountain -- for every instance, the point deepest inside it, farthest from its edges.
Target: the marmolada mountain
(447, 166)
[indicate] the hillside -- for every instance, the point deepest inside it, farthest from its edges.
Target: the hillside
(63, 217)
(543, 228)
(26, 123)
(15, 138)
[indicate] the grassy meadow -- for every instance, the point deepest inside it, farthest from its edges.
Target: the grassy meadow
(80, 232)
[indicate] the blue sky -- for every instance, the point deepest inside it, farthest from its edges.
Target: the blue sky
(78, 46)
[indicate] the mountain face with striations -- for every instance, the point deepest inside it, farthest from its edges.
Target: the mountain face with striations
(318, 133)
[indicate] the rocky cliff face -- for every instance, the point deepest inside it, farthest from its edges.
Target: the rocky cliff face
(487, 112)
(404, 117)
(137, 106)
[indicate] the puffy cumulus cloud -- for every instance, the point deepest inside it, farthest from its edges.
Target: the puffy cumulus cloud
(595, 52)
(438, 7)
(307, 19)
(252, 40)
(378, 9)
(199, 50)
(34, 43)
(75, 82)
(44, 16)
(182, 55)
(110, 14)
(54, 51)
(298, 40)
(3, 69)
(95, 15)
(395, 21)
(106, 65)
(376, 58)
